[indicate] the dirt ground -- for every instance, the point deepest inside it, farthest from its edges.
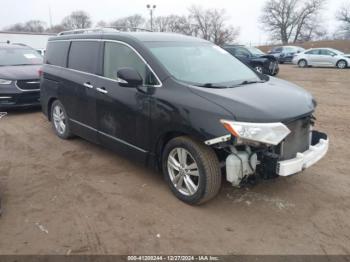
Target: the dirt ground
(73, 197)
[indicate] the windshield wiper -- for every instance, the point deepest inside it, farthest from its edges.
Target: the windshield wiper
(247, 82)
(22, 64)
(211, 85)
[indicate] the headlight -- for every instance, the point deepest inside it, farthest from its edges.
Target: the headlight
(5, 82)
(267, 133)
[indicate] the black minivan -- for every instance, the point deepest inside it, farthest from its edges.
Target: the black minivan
(179, 104)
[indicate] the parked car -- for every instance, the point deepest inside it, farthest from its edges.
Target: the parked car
(180, 104)
(264, 64)
(285, 54)
(322, 57)
(19, 76)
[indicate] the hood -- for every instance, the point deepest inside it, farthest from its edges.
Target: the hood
(346, 56)
(20, 72)
(274, 101)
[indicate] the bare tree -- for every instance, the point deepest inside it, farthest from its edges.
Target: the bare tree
(18, 27)
(101, 24)
(36, 26)
(211, 24)
(343, 15)
(56, 29)
(133, 21)
(289, 20)
(77, 20)
(173, 23)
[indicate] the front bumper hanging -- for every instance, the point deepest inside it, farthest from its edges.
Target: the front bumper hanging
(317, 150)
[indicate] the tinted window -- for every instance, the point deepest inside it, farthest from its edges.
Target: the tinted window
(56, 53)
(312, 52)
(118, 56)
(83, 56)
(326, 52)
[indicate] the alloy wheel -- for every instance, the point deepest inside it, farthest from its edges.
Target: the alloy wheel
(183, 171)
(341, 64)
(302, 63)
(59, 119)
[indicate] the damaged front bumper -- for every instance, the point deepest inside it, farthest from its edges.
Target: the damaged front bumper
(247, 161)
(318, 149)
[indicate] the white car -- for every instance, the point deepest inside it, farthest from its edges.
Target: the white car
(325, 57)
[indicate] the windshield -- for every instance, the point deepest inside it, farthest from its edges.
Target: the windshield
(255, 51)
(19, 56)
(202, 64)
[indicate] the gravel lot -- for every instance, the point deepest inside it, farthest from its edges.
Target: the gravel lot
(73, 197)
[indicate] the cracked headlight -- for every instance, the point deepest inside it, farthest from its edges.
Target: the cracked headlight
(267, 133)
(5, 82)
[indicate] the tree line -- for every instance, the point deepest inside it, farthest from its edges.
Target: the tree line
(287, 21)
(209, 24)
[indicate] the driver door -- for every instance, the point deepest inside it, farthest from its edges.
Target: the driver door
(123, 113)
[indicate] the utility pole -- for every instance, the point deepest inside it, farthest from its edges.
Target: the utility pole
(50, 16)
(151, 9)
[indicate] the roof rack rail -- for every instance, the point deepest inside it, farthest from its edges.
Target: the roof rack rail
(104, 30)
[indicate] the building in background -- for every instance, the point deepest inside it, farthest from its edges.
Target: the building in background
(35, 40)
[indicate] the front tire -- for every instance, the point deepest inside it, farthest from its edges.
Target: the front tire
(191, 170)
(342, 64)
(59, 120)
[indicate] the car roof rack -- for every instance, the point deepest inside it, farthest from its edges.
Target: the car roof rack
(104, 30)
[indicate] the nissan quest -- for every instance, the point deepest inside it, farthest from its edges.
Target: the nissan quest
(181, 105)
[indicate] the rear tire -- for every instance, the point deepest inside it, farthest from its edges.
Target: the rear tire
(59, 120)
(302, 63)
(342, 64)
(188, 162)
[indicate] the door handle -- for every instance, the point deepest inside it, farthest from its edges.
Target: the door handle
(88, 85)
(102, 90)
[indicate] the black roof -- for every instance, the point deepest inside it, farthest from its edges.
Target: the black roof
(140, 36)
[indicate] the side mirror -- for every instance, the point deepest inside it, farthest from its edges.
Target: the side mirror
(129, 77)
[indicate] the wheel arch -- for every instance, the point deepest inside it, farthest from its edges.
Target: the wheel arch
(341, 59)
(303, 59)
(165, 137)
(49, 105)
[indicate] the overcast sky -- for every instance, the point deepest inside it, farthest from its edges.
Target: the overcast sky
(243, 13)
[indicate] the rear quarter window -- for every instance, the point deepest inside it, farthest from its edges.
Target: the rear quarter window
(84, 56)
(56, 53)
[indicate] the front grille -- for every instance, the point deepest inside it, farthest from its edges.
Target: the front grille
(27, 85)
(298, 140)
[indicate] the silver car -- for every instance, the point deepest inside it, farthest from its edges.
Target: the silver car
(325, 57)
